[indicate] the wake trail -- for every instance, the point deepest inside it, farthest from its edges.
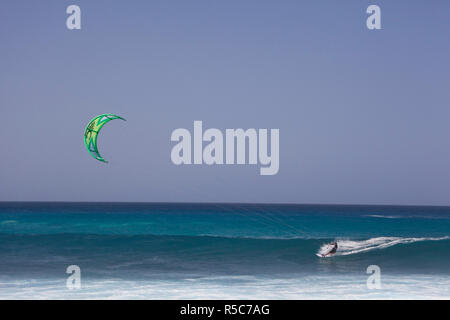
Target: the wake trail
(348, 247)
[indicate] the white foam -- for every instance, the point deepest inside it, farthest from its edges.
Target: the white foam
(405, 217)
(385, 217)
(297, 287)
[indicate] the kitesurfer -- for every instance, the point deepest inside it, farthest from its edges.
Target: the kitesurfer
(333, 250)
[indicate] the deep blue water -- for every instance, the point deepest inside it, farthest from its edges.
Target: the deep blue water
(179, 241)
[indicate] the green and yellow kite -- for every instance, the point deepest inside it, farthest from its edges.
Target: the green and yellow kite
(92, 131)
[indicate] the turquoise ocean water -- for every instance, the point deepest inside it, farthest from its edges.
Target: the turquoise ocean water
(172, 251)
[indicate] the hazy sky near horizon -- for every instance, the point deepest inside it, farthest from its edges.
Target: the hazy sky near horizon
(364, 116)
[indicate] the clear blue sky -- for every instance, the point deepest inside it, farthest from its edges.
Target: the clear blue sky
(364, 116)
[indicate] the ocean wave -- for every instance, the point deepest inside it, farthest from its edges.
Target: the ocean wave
(153, 257)
(348, 247)
(8, 221)
(404, 217)
(243, 237)
(382, 216)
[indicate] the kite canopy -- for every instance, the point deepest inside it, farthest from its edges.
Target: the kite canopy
(92, 131)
